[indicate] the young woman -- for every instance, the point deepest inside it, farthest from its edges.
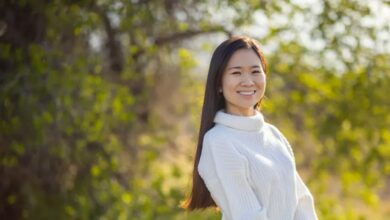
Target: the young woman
(244, 165)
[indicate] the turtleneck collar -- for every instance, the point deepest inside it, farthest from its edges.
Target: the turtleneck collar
(246, 123)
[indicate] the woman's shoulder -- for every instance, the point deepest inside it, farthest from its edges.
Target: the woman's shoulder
(222, 142)
(216, 133)
(221, 136)
(273, 129)
(276, 133)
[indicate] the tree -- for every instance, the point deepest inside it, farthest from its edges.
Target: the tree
(96, 97)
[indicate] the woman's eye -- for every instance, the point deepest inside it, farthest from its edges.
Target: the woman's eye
(256, 71)
(236, 73)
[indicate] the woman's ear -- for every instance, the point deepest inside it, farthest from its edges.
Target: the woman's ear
(220, 90)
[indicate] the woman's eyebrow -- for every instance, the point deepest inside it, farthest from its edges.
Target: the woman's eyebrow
(239, 67)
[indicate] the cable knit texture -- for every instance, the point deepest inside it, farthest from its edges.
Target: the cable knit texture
(248, 167)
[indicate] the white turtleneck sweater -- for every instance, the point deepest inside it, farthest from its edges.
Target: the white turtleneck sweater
(248, 166)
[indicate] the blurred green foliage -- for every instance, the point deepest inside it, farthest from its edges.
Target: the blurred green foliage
(100, 102)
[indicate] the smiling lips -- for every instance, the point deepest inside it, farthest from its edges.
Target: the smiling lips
(247, 93)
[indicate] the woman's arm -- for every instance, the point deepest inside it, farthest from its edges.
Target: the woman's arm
(305, 209)
(223, 170)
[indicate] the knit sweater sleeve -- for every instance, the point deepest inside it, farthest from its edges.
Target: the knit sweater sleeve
(223, 170)
(305, 209)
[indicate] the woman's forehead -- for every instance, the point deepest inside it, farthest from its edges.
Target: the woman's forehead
(244, 58)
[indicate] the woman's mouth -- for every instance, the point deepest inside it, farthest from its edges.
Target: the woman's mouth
(248, 93)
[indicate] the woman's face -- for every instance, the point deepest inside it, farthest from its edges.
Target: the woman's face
(243, 82)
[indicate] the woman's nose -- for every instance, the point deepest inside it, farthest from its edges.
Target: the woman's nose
(247, 80)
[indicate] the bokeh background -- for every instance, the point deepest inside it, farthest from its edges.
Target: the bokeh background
(100, 102)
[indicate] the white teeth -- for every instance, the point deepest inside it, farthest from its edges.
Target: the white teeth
(247, 93)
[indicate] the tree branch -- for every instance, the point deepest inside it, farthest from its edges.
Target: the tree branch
(159, 41)
(115, 55)
(188, 34)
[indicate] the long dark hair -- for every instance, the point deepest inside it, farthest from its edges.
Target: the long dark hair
(200, 197)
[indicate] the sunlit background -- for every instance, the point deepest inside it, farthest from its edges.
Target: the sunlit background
(100, 102)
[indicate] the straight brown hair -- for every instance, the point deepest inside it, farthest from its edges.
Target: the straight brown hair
(200, 197)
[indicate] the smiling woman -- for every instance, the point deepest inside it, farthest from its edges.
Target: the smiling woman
(243, 82)
(244, 165)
